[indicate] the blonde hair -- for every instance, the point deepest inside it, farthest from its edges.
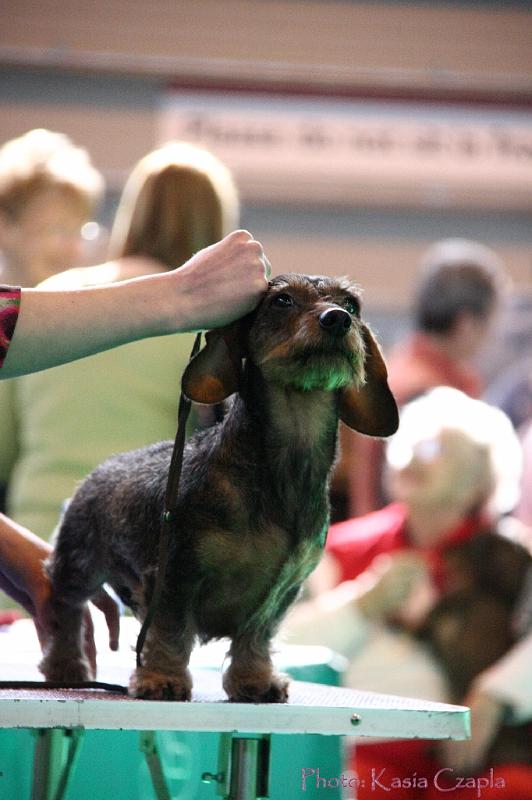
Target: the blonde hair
(177, 200)
(41, 160)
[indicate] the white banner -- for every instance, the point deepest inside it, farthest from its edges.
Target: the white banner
(286, 149)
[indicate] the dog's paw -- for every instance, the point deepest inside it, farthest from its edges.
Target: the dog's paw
(57, 670)
(249, 691)
(149, 685)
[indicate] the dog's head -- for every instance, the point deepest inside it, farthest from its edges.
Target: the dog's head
(306, 334)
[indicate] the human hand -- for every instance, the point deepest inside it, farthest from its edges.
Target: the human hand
(324, 578)
(23, 577)
(469, 757)
(387, 584)
(22, 574)
(223, 282)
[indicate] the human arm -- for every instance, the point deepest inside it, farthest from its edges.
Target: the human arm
(21, 565)
(501, 694)
(469, 757)
(332, 619)
(22, 577)
(220, 283)
(508, 681)
(341, 617)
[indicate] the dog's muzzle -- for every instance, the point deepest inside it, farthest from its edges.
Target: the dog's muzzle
(336, 321)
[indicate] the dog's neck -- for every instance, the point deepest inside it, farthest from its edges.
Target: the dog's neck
(287, 438)
(296, 428)
(299, 420)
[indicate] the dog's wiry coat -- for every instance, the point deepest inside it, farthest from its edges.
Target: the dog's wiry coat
(253, 510)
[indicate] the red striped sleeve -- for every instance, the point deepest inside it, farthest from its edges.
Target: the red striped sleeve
(9, 310)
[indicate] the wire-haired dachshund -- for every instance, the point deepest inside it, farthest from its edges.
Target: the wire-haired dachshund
(253, 505)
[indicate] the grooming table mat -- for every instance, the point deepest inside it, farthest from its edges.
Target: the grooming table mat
(312, 708)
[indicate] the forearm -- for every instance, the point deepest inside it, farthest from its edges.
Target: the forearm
(78, 323)
(332, 619)
(219, 284)
(508, 681)
(21, 557)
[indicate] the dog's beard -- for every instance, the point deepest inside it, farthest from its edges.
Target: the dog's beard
(316, 371)
(309, 362)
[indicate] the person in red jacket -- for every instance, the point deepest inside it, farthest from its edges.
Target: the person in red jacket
(428, 597)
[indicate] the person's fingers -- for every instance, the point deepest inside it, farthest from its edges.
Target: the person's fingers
(223, 282)
(254, 248)
(89, 645)
(105, 603)
(241, 233)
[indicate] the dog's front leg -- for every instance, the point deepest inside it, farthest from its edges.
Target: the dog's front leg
(250, 677)
(164, 674)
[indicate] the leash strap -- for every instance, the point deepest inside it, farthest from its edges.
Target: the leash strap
(116, 688)
(168, 516)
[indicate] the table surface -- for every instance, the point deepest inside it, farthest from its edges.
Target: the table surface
(312, 708)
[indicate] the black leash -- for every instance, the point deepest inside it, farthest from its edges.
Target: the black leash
(116, 688)
(170, 506)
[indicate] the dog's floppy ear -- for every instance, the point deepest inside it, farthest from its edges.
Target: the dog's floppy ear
(370, 409)
(215, 372)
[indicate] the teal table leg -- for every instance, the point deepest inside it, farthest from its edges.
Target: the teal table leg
(56, 753)
(243, 763)
(148, 745)
(250, 767)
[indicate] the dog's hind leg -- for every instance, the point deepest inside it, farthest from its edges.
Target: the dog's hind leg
(250, 677)
(164, 674)
(76, 573)
(64, 658)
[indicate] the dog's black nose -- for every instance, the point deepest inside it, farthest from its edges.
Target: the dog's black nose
(336, 321)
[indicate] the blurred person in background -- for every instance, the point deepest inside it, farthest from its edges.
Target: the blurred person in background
(48, 191)
(457, 296)
(459, 291)
(61, 423)
(431, 597)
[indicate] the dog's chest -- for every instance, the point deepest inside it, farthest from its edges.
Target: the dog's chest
(281, 592)
(247, 579)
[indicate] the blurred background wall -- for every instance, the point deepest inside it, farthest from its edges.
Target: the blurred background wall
(114, 74)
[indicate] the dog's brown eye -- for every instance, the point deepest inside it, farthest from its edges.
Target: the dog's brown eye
(352, 305)
(283, 300)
